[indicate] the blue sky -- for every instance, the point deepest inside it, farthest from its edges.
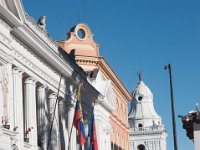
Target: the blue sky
(140, 35)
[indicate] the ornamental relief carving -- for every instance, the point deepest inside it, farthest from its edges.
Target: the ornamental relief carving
(4, 94)
(111, 97)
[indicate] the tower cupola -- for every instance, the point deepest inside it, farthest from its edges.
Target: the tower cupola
(146, 130)
(142, 112)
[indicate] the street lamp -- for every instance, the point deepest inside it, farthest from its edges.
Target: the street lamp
(172, 106)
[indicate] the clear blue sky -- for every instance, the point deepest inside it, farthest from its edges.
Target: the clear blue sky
(140, 35)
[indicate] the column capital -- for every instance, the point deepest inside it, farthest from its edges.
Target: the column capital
(71, 104)
(52, 95)
(42, 88)
(30, 80)
(17, 70)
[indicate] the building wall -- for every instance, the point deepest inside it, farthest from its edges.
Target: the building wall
(30, 74)
(87, 56)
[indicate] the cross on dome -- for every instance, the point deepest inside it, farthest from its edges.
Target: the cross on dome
(140, 76)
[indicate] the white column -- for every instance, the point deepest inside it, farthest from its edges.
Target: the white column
(1, 94)
(63, 125)
(42, 117)
(70, 126)
(9, 94)
(99, 135)
(18, 103)
(30, 110)
(55, 136)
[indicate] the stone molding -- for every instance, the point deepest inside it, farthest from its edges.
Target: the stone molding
(37, 65)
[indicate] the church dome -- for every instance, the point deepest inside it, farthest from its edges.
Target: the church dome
(142, 92)
(142, 112)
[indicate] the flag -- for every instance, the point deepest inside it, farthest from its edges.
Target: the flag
(92, 133)
(78, 120)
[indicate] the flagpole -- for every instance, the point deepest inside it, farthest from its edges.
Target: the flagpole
(49, 140)
(78, 98)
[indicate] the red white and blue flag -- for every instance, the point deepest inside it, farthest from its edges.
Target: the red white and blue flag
(78, 120)
(92, 133)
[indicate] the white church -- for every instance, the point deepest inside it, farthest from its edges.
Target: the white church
(146, 130)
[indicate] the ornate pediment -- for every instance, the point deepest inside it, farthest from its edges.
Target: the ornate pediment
(81, 40)
(15, 7)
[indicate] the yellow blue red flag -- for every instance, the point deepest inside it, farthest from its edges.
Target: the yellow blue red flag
(78, 120)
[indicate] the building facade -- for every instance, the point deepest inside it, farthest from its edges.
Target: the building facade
(146, 130)
(112, 112)
(191, 123)
(34, 75)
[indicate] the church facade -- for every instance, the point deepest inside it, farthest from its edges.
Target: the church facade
(146, 130)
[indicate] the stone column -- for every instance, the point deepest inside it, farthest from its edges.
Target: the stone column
(30, 110)
(63, 124)
(18, 103)
(42, 117)
(70, 126)
(107, 138)
(55, 136)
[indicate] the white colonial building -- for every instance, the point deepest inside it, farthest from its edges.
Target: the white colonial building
(146, 130)
(31, 64)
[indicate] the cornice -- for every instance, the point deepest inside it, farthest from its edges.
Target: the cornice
(35, 64)
(101, 62)
(146, 131)
(43, 35)
(9, 17)
(118, 84)
(88, 62)
(42, 50)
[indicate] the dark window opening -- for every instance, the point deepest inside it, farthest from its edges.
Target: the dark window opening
(140, 98)
(141, 147)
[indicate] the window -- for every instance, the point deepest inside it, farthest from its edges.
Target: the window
(141, 147)
(140, 125)
(140, 98)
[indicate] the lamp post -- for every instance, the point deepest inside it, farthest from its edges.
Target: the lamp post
(172, 106)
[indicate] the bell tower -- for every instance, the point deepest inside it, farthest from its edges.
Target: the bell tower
(146, 130)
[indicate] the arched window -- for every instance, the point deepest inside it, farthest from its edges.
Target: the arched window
(140, 125)
(141, 147)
